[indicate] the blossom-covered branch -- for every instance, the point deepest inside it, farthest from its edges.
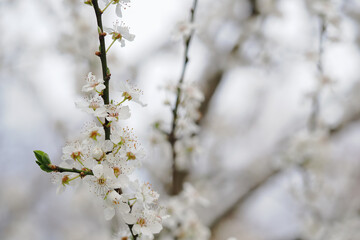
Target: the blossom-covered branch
(104, 157)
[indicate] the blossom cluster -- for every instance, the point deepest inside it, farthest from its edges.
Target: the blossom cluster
(186, 130)
(112, 161)
(186, 123)
(184, 222)
(105, 160)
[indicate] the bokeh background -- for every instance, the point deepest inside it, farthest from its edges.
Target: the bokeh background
(280, 133)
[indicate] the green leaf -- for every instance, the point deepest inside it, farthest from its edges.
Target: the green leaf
(43, 160)
(38, 155)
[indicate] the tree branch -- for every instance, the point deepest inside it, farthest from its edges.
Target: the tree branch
(178, 176)
(104, 67)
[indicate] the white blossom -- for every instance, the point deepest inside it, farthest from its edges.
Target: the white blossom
(93, 105)
(116, 112)
(93, 84)
(131, 93)
(120, 33)
(145, 222)
(114, 202)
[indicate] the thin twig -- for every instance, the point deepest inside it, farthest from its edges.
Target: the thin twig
(315, 111)
(73, 170)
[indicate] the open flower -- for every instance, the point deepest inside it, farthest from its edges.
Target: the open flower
(103, 180)
(120, 33)
(131, 93)
(145, 222)
(93, 105)
(114, 201)
(116, 112)
(93, 84)
(119, 4)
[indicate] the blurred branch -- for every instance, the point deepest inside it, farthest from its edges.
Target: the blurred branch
(252, 189)
(345, 123)
(254, 8)
(315, 111)
(213, 80)
(177, 175)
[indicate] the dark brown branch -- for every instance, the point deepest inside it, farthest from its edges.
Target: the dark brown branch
(105, 71)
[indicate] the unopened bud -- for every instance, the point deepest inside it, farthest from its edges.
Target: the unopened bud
(97, 153)
(52, 166)
(97, 53)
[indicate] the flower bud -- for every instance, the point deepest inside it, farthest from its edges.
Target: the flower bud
(97, 153)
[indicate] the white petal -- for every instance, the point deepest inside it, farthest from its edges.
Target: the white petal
(136, 229)
(98, 170)
(129, 219)
(60, 189)
(124, 208)
(124, 112)
(109, 213)
(118, 10)
(99, 87)
(146, 231)
(156, 227)
(109, 30)
(108, 145)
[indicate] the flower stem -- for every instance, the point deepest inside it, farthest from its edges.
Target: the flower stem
(74, 178)
(121, 102)
(107, 6)
(100, 121)
(110, 45)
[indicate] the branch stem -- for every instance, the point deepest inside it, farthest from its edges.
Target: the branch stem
(105, 71)
(73, 170)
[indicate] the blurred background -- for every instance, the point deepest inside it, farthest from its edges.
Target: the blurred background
(279, 133)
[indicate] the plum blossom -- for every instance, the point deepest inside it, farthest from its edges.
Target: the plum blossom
(119, 4)
(103, 180)
(93, 84)
(120, 33)
(74, 151)
(115, 201)
(145, 222)
(116, 112)
(146, 195)
(93, 105)
(131, 93)
(92, 132)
